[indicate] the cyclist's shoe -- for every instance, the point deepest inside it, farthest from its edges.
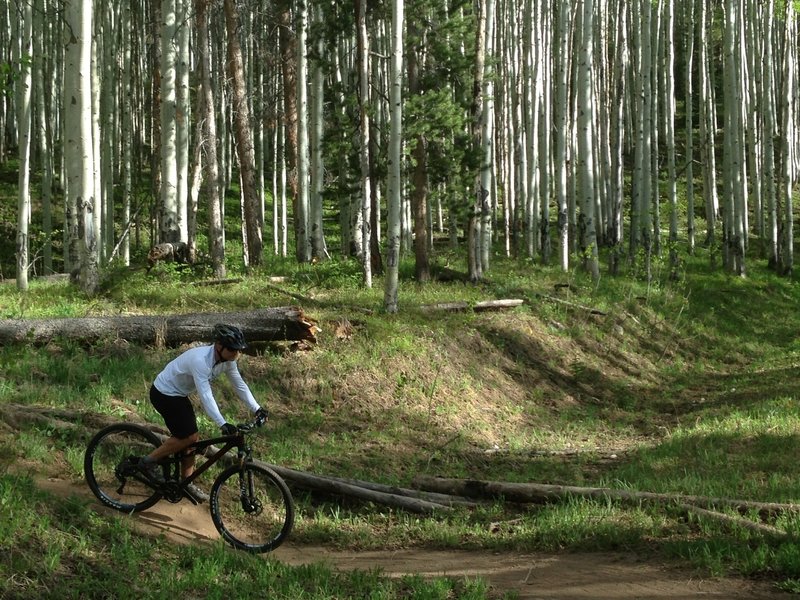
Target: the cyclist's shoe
(127, 465)
(151, 470)
(196, 493)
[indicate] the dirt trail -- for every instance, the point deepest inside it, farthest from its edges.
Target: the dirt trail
(599, 576)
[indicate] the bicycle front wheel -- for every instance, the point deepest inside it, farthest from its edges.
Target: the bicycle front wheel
(252, 508)
(108, 466)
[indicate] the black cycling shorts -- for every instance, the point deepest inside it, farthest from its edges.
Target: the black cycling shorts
(177, 411)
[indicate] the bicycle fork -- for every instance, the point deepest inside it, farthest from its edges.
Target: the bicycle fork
(247, 493)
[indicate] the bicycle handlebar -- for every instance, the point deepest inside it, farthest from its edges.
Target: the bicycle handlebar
(249, 427)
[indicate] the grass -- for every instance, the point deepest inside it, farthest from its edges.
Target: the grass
(689, 384)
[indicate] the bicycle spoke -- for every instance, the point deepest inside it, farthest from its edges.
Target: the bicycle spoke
(110, 469)
(252, 509)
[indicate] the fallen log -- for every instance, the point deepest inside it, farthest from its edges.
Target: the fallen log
(330, 485)
(731, 520)
(481, 306)
(262, 325)
(541, 493)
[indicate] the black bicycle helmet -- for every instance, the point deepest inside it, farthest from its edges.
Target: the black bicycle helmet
(229, 336)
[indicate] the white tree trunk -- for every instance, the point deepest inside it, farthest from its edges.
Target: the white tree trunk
(487, 142)
(689, 61)
(394, 192)
(302, 214)
(768, 130)
(182, 115)
(669, 115)
(78, 137)
(789, 124)
(170, 219)
(586, 142)
(319, 249)
(46, 127)
(561, 158)
(363, 151)
(24, 93)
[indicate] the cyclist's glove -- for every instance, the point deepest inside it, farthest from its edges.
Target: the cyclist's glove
(261, 416)
(228, 429)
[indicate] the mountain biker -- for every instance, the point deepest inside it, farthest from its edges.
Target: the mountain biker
(193, 371)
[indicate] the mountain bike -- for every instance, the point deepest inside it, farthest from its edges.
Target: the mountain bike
(251, 506)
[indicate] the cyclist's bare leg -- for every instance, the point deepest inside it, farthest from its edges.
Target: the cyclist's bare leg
(187, 465)
(173, 445)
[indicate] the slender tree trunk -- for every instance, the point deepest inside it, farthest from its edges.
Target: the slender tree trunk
(169, 221)
(585, 142)
(474, 224)
(288, 48)
(319, 250)
(24, 93)
(617, 134)
(78, 137)
(216, 241)
(394, 195)
(561, 155)
(486, 189)
(363, 108)
(302, 202)
(768, 135)
(182, 115)
(669, 115)
(689, 104)
(243, 131)
(788, 150)
(45, 135)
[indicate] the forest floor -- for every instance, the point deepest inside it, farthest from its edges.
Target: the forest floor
(529, 576)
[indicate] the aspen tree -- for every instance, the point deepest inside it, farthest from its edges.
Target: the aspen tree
(734, 178)
(708, 129)
(647, 176)
(303, 250)
(319, 250)
(169, 230)
(78, 139)
(585, 142)
(487, 142)
(788, 146)
(751, 51)
(182, 115)
(475, 266)
(126, 105)
(45, 127)
(617, 137)
(24, 54)
(216, 241)
(364, 138)
(656, 82)
(768, 125)
(561, 127)
(394, 191)
(545, 128)
(689, 124)
(289, 61)
(669, 115)
(243, 130)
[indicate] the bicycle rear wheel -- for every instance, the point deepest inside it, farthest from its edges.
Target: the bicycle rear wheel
(108, 466)
(252, 508)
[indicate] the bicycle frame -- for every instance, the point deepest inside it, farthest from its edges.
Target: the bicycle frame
(237, 441)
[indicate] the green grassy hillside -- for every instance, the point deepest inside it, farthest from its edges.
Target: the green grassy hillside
(684, 387)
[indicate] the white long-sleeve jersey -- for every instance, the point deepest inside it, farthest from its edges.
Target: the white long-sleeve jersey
(194, 370)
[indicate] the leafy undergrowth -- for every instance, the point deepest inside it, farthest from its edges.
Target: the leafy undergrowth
(685, 387)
